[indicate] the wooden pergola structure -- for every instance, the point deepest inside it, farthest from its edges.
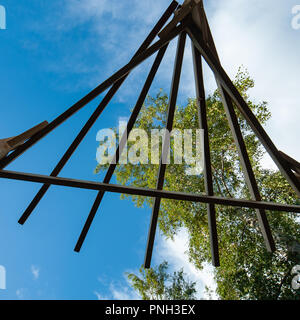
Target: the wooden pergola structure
(189, 19)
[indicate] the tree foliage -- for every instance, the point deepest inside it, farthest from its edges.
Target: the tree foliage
(247, 270)
(158, 284)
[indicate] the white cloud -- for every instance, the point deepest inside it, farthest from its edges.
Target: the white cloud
(124, 292)
(120, 28)
(99, 296)
(259, 36)
(114, 31)
(120, 290)
(35, 272)
(175, 252)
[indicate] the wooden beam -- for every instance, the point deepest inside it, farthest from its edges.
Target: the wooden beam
(207, 172)
(180, 14)
(294, 164)
(202, 23)
(247, 168)
(101, 107)
(227, 84)
(93, 94)
(91, 185)
(165, 146)
(9, 144)
(119, 150)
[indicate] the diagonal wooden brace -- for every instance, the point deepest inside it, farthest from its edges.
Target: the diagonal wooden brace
(294, 164)
(10, 144)
(205, 32)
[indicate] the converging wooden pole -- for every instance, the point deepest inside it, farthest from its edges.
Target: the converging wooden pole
(243, 106)
(9, 144)
(202, 118)
(237, 134)
(119, 150)
(189, 18)
(165, 147)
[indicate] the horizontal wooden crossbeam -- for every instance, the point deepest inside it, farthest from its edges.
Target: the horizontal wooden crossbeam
(91, 185)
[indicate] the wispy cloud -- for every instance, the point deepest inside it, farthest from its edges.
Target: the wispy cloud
(113, 31)
(99, 296)
(35, 272)
(259, 36)
(117, 290)
(123, 292)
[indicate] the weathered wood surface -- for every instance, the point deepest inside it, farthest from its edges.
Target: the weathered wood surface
(294, 164)
(9, 144)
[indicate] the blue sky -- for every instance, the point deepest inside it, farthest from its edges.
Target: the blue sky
(51, 54)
